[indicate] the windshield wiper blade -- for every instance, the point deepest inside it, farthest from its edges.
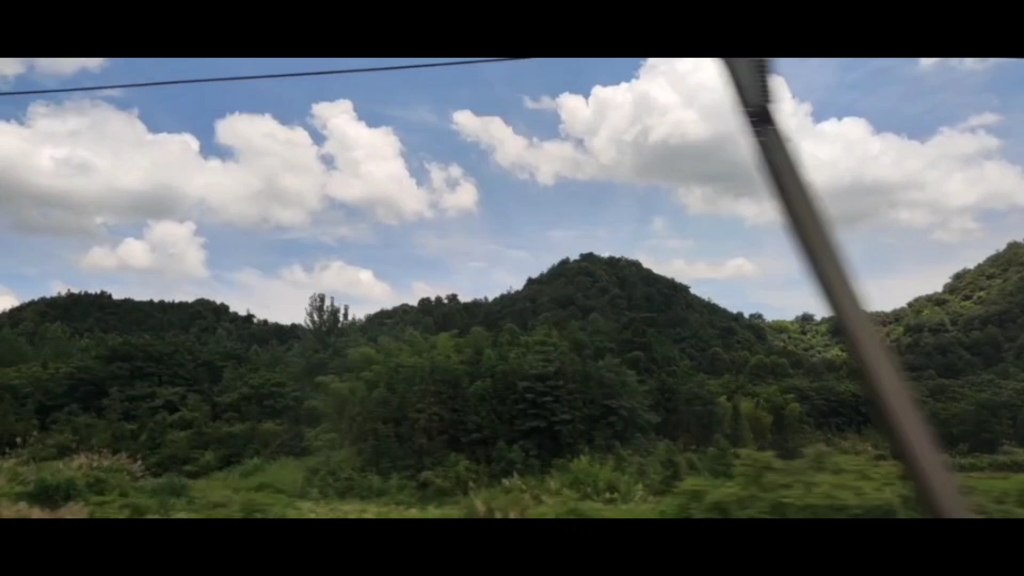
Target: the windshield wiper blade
(885, 383)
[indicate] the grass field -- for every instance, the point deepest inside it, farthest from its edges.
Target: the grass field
(824, 484)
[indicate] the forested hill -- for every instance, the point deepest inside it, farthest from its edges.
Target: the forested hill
(83, 313)
(619, 295)
(975, 324)
(594, 354)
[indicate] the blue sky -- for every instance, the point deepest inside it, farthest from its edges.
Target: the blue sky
(918, 163)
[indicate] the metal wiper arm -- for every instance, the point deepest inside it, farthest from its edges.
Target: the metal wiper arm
(886, 386)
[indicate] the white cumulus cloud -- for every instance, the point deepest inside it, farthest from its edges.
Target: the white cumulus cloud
(282, 295)
(73, 166)
(687, 270)
(166, 247)
(968, 64)
(677, 124)
(424, 290)
(11, 67)
(8, 299)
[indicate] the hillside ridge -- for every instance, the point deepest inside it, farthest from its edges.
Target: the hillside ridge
(592, 355)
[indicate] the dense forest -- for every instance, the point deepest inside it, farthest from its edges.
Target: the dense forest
(599, 382)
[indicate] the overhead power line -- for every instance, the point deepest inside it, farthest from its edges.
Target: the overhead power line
(211, 80)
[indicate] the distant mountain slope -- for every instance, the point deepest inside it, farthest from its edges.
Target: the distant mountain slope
(634, 301)
(100, 313)
(975, 323)
(595, 352)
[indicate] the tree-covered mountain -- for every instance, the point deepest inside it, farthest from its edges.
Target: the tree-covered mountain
(974, 325)
(593, 355)
(633, 303)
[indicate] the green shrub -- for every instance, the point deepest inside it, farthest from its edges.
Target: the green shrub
(1009, 460)
(53, 491)
(338, 475)
(456, 477)
(169, 487)
(824, 484)
(598, 479)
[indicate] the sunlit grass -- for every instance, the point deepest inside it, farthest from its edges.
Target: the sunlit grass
(824, 483)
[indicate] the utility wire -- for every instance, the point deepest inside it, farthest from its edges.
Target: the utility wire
(211, 80)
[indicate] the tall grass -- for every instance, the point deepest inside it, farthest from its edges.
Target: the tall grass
(851, 481)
